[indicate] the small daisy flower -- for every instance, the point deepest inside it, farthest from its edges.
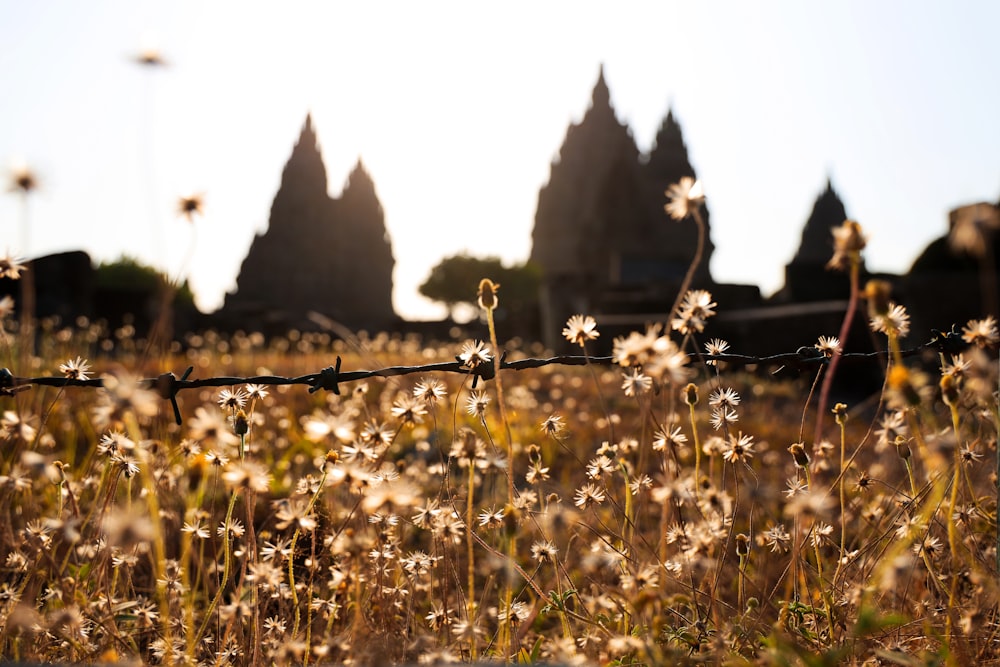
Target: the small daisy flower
(674, 437)
(740, 448)
(409, 410)
(828, 345)
(580, 328)
(190, 206)
(636, 383)
(896, 320)
(589, 494)
(727, 397)
(474, 354)
(848, 242)
(777, 538)
(476, 403)
(491, 518)
(694, 310)
(544, 551)
(256, 391)
(723, 416)
(429, 390)
(981, 332)
(602, 465)
(232, 400)
(715, 347)
(11, 267)
(75, 369)
(684, 197)
(553, 425)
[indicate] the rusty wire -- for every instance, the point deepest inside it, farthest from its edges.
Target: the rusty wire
(330, 378)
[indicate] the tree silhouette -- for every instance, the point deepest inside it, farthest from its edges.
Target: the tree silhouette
(454, 280)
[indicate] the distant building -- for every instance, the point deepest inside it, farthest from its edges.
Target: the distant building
(319, 254)
(949, 286)
(601, 236)
(807, 278)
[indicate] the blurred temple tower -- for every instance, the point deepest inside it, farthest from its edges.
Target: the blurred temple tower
(807, 278)
(604, 243)
(319, 254)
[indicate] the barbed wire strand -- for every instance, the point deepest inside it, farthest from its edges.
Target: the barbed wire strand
(169, 385)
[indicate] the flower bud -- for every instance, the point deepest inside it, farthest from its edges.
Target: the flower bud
(690, 394)
(799, 455)
(488, 294)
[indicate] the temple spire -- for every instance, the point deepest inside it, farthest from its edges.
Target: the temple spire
(305, 171)
(601, 97)
(668, 160)
(828, 212)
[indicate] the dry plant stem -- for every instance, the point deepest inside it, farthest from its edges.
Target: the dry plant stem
(805, 408)
(501, 404)
(689, 276)
(824, 590)
(227, 564)
(697, 452)
(600, 394)
(508, 594)
(291, 552)
(741, 584)
(470, 609)
(159, 546)
(843, 497)
(950, 519)
(186, 541)
(955, 484)
(845, 329)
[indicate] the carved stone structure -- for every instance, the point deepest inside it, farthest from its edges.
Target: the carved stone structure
(806, 277)
(946, 287)
(601, 236)
(319, 255)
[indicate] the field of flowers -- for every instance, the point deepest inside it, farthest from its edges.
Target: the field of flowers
(661, 507)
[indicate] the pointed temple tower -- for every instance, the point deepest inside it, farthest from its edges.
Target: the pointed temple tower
(668, 163)
(806, 276)
(601, 237)
(323, 255)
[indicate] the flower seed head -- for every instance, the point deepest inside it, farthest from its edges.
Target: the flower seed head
(691, 394)
(878, 293)
(848, 242)
(840, 413)
(742, 545)
(488, 294)
(799, 455)
(949, 389)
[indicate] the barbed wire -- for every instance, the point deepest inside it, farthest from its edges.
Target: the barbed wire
(168, 385)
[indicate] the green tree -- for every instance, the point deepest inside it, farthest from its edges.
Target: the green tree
(128, 273)
(455, 279)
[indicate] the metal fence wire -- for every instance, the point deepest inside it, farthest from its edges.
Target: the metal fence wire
(168, 385)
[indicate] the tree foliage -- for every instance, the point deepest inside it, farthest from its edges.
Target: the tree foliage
(455, 279)
(128, 273)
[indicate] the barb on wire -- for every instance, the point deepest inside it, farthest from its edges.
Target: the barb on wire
(168, 385)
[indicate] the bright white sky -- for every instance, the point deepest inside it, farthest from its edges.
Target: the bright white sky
(457, 110)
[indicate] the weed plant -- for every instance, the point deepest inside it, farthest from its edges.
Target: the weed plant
(663, 510)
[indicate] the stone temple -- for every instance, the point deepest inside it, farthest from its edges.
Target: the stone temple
(601, 237)
(319, 255)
